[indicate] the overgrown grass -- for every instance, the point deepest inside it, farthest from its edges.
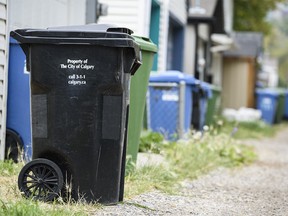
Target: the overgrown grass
(12, 203)
(9, 168)
(188, 159)
(148, 178)
(33, 208)
(19, 206)
(248, 130)
(219, 145)
(195, 157)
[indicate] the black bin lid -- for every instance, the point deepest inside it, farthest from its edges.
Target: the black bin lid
(92, 28)
(101, 34)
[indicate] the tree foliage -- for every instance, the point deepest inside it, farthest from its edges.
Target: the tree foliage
(249, 15)
(276, 44)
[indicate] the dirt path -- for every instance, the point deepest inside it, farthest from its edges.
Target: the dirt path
(260, 189)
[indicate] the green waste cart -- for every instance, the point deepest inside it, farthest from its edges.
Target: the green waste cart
(280, 110)
(138, 89)
(214, 104)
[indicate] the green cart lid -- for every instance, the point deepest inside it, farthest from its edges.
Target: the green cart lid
(145, 43)
(215, 88)
(281, 91)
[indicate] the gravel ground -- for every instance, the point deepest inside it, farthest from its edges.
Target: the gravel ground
(259, 189)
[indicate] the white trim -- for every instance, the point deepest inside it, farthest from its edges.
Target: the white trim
(144, 10)
(221, 39)
(163, 35)
(228, 6)
(3, 96)
(220, 48)
(189, 49)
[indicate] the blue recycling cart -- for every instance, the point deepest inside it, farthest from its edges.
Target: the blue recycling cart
(170, 103)
(18, 127)
(267, 102)
(201, 95)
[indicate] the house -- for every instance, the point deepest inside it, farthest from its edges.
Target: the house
(162, 20)
(207, 35)
(240, 70)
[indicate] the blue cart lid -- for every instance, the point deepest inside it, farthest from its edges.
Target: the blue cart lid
(206, 87)
(173, 76)
(13, 41)
(267, 92)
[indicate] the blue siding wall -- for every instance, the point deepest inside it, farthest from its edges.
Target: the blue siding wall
(176, 47)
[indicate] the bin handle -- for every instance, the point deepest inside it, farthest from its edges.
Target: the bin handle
(163, 84)
(137, 62)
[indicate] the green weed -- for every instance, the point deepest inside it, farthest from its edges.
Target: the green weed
(33, 208)
(152, 142)
(19, 205)
(206, 151)
(187, 159)
(148, 178)
(9, 168)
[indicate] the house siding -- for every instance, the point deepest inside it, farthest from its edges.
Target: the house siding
(133, 14)
(238, 83)
(3, 73)
(43, 14)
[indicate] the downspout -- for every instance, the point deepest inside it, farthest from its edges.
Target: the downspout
(91, 11)
(208, 54)
(196, 72)
(94, 9)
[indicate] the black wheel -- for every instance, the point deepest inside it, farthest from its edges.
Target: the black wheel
(40, 179)
(13, 146)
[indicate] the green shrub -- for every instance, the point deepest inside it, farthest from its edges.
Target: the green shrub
(152, 142)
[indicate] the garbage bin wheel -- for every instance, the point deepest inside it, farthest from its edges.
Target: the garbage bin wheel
(13, 146)
(40, 179)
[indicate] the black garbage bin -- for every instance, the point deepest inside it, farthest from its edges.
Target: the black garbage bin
(80, 99)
